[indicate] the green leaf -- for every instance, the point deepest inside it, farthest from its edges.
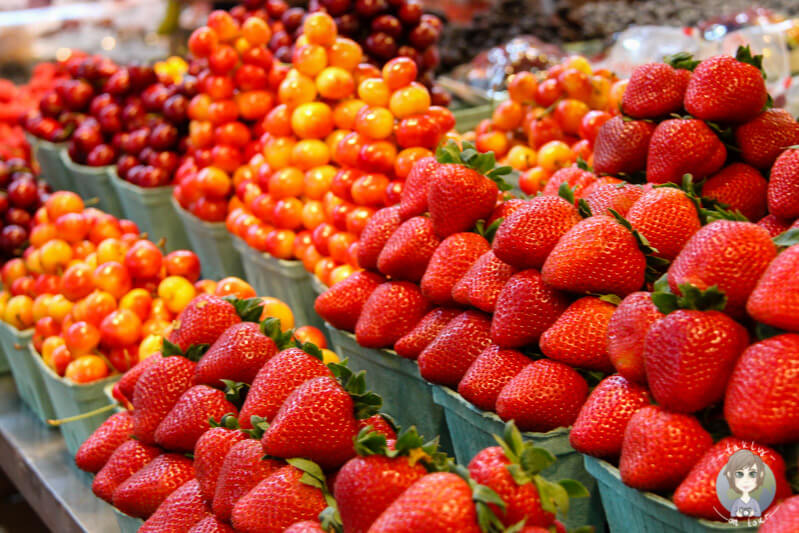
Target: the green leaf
(271, 328)
(554, 497)
(330, 519)
(574, 489)
(259, 427)
(519, 475)
(196, 351)
(228, 421)
(408, 439)
(370, 442)
(517, 527)
(611, 299)
(534, 460)
(662, 284)
(169, 349)
(783, 240)
(681, 60)
(710, 299)
(249, 310)
(764, 331)
(582, 164)
(583, 208)
(311, 469)
(311, 349)
(488, 232)
(566, 192)
(666, 302)
(235, 391)
(483, 494)
(744, 55)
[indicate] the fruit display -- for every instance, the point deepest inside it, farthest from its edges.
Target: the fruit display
(21, 195)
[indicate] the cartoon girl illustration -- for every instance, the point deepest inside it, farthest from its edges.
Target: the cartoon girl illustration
(745, 473)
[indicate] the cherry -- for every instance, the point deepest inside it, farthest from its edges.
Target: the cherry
(23, 193)
(101, 155)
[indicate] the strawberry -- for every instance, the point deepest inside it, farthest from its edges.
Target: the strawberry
(341, 304)
(203, 321)
(142, 493)
(413, 201)
(783, 187)
(689, 356)
(189, 418)
(727, 89)
(242, 469)
(660, 448)
(657, 89)
(441, 501)
(450, 261)
(683, 146)
(505, 209)
(575, 177)
(211, 524)
(412, 343)
(627, 331)
(764, 138)
(127, 383)
(526, 308)
(101, 444)
(599, 428)
(210, 451)
(617, 197)
(445, 360)
(179, 511)
(368, 483)
(667, 218)
(621, 146)
(785, 517)
(774, 225)
(481, 284)
(379, 424)
(526, 237)
(741, 187)
(544, 396)
(730, 255)
(597, 255)
(127, 459)
(319, 419)
(391, 311)
(579, 335)
(376, 233)
(409, 249)
(775, 299)
(697, 495)
(278, 378)
(281, 500)
(489, 373)
(306, 526)
(761, 399)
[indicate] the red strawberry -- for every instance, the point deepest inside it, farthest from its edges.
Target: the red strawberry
(101, 444)
(243, 468)
(730, 255)
(579, 335)
(189, 418)
(306, 526)
(727, 89)
(505, 209)
(378, 424)
(627, 331)
(697, 495)
(392, 310)
(445, 360)
(599, 428)
(775, 300)
(211, 524)
(774, 225)
(480, 286)
(761, 399)
(526, 308)
(621, 146)
(597, 255)
(657, 89)
(408, 250)
(437, 502)
(576, 178)
(457, 197)
(620, 198)
(764, 138)
(277, 502)
(683, 146)
(341, 304)
(667, 218)
(783, 187)
(210, 451)
(376, 233)
(414, 194)
(785, 517)
(604, 180)
(277, 379)
(660, 448)
(489, 373)
(179, 511)
(126, 460)
(203, 321)
(127, 383)
(412, 344)
(451, 260)
(689, 356)
(740, 187)
(142, 493)
(527, 236)
(544, 396)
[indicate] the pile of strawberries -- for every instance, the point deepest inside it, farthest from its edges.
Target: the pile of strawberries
(671, 294)
(292, 443)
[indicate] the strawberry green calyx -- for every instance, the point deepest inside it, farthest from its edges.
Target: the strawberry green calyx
(582, 164)
(483, 497)
(235, 391)
(249, 310)
(330, 519)
(567, 193)
(787, 238)
(488, 232)
(708, 209)
(309, 348)
(313, 476)
(710, 299)
(681, 60)
(228, 421)
(468, 156)
(764, 331)
(259, 427)
(271, 328)
(744, 55)
(408, 444)
(655, 265)
(365, 403)
(193, 353)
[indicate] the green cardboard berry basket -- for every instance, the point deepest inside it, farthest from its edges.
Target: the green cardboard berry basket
(48, 155)
(318, 286)
(152, 210)
(629, 509)
(467, 118)
(287, 281)
(29, 381)
(71, 399)
(473, 429)
(127, 524)
(212, 243)
(407, 397)
(94, 182)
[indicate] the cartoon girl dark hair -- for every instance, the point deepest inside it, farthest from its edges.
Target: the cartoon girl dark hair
(745, 472)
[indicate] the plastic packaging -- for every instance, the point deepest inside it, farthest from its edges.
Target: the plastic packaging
(127, 524)
(48, 155)
(27, 377)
